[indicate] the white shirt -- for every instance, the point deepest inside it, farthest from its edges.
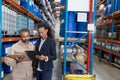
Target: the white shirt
(41, 43)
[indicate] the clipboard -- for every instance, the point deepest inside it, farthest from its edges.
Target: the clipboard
(20, 55)
(27, 55)
(30, 54)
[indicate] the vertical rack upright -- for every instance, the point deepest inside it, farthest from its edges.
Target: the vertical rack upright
(0, 38)
(90, 37)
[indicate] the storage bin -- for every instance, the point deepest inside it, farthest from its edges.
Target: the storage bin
(27, 4)
(5, 47)
(35, 9)
(72, 24)
(79, 77)
(62, 26)
(7, 69)
(62, 2)
(81, 26)
(106, 10)
(117, 5)
(39, 14)
(111, 7)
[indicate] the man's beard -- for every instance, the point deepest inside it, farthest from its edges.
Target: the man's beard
(25, 41)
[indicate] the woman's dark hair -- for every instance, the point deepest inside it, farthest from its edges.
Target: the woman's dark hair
(46, 27)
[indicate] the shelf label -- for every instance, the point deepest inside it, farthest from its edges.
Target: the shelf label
(7, 49)
(81, 17)
(2, 74)
(91, 27)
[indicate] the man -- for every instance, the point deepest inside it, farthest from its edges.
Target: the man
(22, 69)
(46, 53)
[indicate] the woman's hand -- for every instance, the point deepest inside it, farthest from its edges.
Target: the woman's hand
(42, 57)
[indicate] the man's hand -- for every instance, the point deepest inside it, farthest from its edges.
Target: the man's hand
(42, 57)
(19, 59)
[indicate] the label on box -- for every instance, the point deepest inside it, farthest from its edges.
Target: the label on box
(81, 17)
(91, 27)
(2, 74)
(7, 49)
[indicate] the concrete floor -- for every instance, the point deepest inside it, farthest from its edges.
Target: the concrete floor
(103, 71)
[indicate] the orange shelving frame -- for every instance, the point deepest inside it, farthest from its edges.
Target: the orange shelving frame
(108, 51)
(109, 17)
(98, 4)
(11, 39)
(116, 14)
(109, 40)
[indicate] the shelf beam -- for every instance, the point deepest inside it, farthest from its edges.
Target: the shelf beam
(116, 14)
(108, 51)
(12, 39)
(109, 40)
(98, 4)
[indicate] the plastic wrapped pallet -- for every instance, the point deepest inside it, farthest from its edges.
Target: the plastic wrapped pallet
(79, 77)
(21, 22)
(81, 58)
(9, 20)
(68, 58)
(75, 52)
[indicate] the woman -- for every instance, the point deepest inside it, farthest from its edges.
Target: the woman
(46, 53)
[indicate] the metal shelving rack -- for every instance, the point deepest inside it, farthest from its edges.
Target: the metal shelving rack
(24, 11)
(90, 33)
(13, 39)
(110, 20)
(0, 38)
(108, 51)
(41, 6)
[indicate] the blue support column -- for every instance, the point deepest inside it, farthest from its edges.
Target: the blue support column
(65, 39)
(105, 32)
(28, 16)
(101, 51)
(112, 31)
(92, 41)
(28, 22)
(0, 38)
(92, 54)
